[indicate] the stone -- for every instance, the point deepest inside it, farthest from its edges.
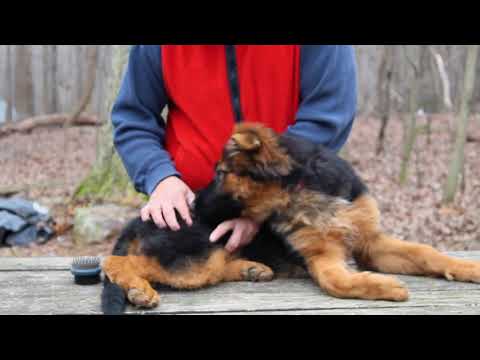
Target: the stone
(95, 224)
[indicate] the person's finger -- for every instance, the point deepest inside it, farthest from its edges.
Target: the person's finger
(157, 217)
(254, 230)
(145, 213)
(221, 230)
(235, 240)
(190, 198)
(247, 237)
(184, 211)
(170, 217)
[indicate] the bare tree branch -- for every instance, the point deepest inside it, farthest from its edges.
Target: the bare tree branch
(27, 125)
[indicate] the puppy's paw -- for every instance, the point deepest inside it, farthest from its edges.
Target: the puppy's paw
(146, 298)
(383, 287)
(257, 272)
(466, 271)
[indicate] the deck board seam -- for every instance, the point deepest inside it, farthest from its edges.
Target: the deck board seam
(138, 312)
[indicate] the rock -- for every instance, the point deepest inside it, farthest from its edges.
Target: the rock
(99, 223)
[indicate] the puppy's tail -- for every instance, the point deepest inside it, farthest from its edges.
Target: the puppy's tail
(114, 300)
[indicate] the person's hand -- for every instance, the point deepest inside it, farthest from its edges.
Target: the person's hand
(170, 194)
(244, 230)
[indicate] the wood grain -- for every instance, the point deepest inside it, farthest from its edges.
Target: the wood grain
(45, 286)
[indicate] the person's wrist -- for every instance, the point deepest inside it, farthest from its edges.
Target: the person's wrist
(164, 181)
(169, 178)
(156, 175)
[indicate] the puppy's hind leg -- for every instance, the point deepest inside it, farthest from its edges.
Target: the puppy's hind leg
(378, 251)
(387, 254)
(218, 267)
(125, 271)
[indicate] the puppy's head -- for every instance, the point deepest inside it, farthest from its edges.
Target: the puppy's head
(253, 164)
(254, 150)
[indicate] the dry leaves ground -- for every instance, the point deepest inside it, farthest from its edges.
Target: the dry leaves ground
(414, 211)
(55, 163)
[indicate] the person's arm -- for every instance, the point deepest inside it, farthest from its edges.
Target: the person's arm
(328, 99)
(139, 134)
(139, 130)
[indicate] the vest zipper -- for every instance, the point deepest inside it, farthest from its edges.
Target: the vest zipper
(232, 73)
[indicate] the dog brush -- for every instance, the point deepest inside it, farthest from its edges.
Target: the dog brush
(86, 270)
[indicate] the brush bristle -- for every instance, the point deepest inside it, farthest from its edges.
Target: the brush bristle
(86, 262)
(86, 270)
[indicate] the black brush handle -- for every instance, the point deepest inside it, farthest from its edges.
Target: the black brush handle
(87, 280)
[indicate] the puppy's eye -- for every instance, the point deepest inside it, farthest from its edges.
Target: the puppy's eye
(221, 168)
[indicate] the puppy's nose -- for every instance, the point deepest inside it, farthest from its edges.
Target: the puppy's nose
(231, 143)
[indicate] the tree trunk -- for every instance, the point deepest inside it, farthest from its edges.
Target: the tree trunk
(108, 180)
(46, 92)
(10, 84)
(442, 72)
(23, 80)
(54, 77)
(383, 91)
(411, 124)
(456, 163)
(92, 60)
(50, 102)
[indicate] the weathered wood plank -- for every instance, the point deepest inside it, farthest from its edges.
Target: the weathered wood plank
(442, 310)
(45, 286)
(35, 263)
(53, 292)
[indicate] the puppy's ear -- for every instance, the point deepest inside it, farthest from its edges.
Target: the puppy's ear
(247, 141)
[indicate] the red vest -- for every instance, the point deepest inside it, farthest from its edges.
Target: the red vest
(201, 112)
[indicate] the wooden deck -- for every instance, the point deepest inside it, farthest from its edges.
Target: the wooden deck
(45, 286)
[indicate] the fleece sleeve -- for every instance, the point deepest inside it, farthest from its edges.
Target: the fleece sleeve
(138, 128)
(328, 99)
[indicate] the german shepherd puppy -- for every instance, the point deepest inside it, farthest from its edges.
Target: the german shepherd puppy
(316, 213)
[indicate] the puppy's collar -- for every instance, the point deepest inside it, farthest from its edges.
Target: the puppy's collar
(300, 186)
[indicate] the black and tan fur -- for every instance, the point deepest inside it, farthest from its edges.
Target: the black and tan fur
(315, 211)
